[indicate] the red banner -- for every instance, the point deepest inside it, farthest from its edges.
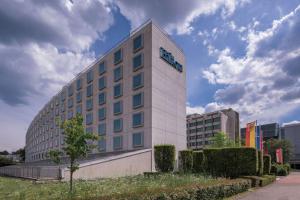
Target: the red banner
(279, 156)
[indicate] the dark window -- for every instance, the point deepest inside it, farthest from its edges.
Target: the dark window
(78, 97)
(117, 142)
(70, 103)
(118, 56)
(102, 83)
(89, 118)
(78, 109)
(70, 90)
(78, 84)
(137, 139)
(101, 114)
(137, 62)
(89, 90)
(137, 43)
(102, 68)
(118, 90)
(102, 144)
(138, 81)
(138, 100)
(102, 98)
(118, 73)
(89, 104)
(118, 125)
(89, 76)
(102, 129)
(118, 108)
(138, 119)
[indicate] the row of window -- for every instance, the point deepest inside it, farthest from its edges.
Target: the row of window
(201, 136)
(137, 141)
(208, 128)
(207, 121)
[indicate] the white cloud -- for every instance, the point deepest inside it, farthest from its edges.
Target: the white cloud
(291, 123)
(175, 15)
(264, 83)
(193, 110)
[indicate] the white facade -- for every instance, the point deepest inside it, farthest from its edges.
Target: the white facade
(130, 118)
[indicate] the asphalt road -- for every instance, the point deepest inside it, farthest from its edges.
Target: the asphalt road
(286, 188)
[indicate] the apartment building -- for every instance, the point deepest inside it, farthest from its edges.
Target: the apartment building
(201, 128)
(292, 134)
(134, 97)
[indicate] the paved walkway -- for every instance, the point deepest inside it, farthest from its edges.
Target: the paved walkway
(286, 188)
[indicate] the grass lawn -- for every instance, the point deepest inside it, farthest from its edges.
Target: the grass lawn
(12, 188)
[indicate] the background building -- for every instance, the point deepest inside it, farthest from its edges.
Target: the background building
(269, 131)
(202, 128)
(134, 97)
(292, 134)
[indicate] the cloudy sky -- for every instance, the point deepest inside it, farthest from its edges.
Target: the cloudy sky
(241, 54)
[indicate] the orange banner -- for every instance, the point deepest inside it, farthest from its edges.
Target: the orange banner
(250, 134)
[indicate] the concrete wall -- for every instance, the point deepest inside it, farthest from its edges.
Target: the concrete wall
(126, 164)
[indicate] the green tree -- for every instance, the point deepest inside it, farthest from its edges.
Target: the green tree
(77, 143)
(55, 156)
(21, 153)
(222, 140)
(273, 144)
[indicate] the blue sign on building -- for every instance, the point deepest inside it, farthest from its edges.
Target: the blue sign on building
(169, 58)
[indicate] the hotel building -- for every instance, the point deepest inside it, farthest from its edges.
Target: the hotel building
(134, 97)
(202, 128)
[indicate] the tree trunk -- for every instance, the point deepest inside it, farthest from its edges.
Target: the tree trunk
(71, 177)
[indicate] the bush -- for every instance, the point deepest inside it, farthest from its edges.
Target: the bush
(231, 162)
(189, 192)
(280, 169)
(164, 156)
(267, 164)
(198, 162)
(6, 161)
(260, 181)
(260, 163)
(186, 160)
(287, 167)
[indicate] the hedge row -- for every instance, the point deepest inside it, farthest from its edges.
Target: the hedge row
(260, 163)
(257, 181)
(198, 162)
(186, 160)
(231, 162)
(267, 164)
(164, 156)
(189, 192)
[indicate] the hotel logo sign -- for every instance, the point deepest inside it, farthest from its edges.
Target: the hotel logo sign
(169, 58)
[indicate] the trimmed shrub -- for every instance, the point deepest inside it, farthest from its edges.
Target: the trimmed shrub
(279, 170)
(198, 162)
(186, 160)
(287, 166)
(189, 192)
(231, 162)
(260, 181)
(260, 163)
(6, 161)
(267, 164)
(164, 156)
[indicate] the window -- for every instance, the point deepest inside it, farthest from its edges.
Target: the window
(89, 130)
(63, 96)
(118, 56)
(62, 108)
(102, 83)
(70, 114)
(207, 121)
(102, 129)
(89, 76)
(117, 142)
(70, 103)
(89, 118)
(137, 43)
(137, 119)
(217, 119)
(118, 107)
(89, 104)
(138, 100)
(137, 62)
(118, 125)
(137, 139)
(101, 114)
(78, 84)
(102, 144)
(79, 109)
(78, 97)
(118, 73)
(102, 98)
(102, 68)
(138, 81)
(70, 90)
(89, 90)
(118, 90)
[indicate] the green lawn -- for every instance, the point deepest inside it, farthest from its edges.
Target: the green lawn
(11, 188)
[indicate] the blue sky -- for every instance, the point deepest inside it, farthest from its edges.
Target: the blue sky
(243, 54)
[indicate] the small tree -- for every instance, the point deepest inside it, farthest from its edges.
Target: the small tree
(221, 140)
(55, 156)
(274, 144)
(77, 145)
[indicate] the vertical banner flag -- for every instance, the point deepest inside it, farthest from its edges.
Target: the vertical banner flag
(279, 156)
(250, 134)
